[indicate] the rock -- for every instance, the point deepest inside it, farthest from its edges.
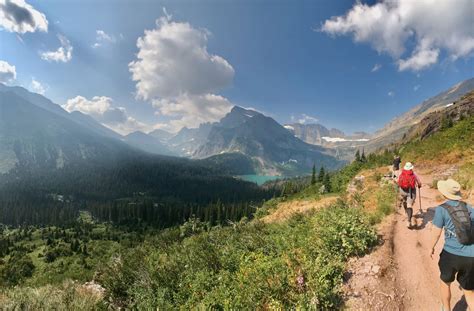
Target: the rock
(376, 269)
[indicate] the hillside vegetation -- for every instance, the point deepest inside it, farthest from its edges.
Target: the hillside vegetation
(297, 263)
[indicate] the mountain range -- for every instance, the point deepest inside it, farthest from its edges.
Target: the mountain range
(35, 132)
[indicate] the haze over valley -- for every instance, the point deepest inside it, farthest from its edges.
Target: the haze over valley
(229, 155)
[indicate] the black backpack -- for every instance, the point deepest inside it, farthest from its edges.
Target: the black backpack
(463, 225)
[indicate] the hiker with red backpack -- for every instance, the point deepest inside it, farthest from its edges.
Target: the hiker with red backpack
(407, 183)
(457, 258)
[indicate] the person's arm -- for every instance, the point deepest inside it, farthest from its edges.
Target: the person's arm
(418, 181)
(434, 238)
(436, 229)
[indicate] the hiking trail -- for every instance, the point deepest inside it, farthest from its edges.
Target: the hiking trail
(399, 274)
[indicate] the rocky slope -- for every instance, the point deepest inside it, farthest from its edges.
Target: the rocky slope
(264, 140)
(396, 129)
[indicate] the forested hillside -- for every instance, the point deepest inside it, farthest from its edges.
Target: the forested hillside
(213, 262)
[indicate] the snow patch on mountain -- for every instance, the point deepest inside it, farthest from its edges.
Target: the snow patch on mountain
(340, 139)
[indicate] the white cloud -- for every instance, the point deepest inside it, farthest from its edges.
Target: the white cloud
(101, 108)
(192, 110)
(37, 87)
(416, 87)
(62, 54)
(98, 105)
(7, 72)
(104, 38)
(391, 93)
(376, 68)
(128, 126)
(178, 75)
(420, 59)
(390, 26)
(20, 17)
(304, 118)
(173, 60)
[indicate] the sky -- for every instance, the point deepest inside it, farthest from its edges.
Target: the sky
(144, 65)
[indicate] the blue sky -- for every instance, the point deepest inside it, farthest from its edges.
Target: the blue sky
(287, 59)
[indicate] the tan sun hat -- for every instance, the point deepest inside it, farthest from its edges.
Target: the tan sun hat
(450, 189)
(408, 166)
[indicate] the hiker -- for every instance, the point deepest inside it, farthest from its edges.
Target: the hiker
(396, 165)
(407, 182)
(457, 257)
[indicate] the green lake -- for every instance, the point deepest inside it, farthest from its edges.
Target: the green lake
(259, 179)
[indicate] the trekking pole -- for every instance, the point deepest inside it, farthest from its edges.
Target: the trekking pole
(419, 196)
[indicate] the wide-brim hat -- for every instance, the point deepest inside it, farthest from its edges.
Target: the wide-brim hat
(450, 189)
(408, 166)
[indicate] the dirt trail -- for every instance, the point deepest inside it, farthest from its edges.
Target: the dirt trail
(417, 273)
(399, 274)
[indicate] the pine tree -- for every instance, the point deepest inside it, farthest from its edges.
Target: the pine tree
(313, 176)
(321, 174)
(357, 156)
(363, 158)
(327, 182)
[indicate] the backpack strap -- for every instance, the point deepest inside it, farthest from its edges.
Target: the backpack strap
(461, 217)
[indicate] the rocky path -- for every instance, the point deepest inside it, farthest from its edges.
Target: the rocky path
(400, 275)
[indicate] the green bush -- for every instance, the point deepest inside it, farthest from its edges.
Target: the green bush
(386, 199)
(18, 267)
(296, 264)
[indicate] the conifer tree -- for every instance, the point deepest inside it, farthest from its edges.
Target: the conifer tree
(313, 176)
(363, 158)
(357, 156)
(327, 182)
(321, 174)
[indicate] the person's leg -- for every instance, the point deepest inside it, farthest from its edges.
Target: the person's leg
(410, 215)
(445, 295)
(469, 294)
(410, 201)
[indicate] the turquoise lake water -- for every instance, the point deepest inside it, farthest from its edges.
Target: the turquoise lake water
(259, 179)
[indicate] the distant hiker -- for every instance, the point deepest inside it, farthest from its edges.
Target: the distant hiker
(407, 182)
(396, 165)
(457, 257)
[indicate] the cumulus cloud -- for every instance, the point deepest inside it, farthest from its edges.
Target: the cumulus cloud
(416, 87)
(303, 119)
(7, 72)
(102, 38)
(175, 71)
(376, 68)
(62, 54)
(390, 26)
(20, 17)
(37, 87)
(391, 93)
(101, 109)
(192, 110)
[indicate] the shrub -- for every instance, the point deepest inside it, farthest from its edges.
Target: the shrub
(298, 263)
(69, 296)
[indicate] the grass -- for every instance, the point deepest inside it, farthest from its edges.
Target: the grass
(465, 176)
(67, 296)
(451, 144)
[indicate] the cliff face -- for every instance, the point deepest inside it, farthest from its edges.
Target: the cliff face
(442, 117)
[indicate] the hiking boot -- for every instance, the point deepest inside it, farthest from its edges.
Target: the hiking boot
(409, 224)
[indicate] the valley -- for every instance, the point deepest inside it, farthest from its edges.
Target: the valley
(94, 256)
(236, 155)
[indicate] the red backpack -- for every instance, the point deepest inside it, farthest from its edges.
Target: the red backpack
(407, 180)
